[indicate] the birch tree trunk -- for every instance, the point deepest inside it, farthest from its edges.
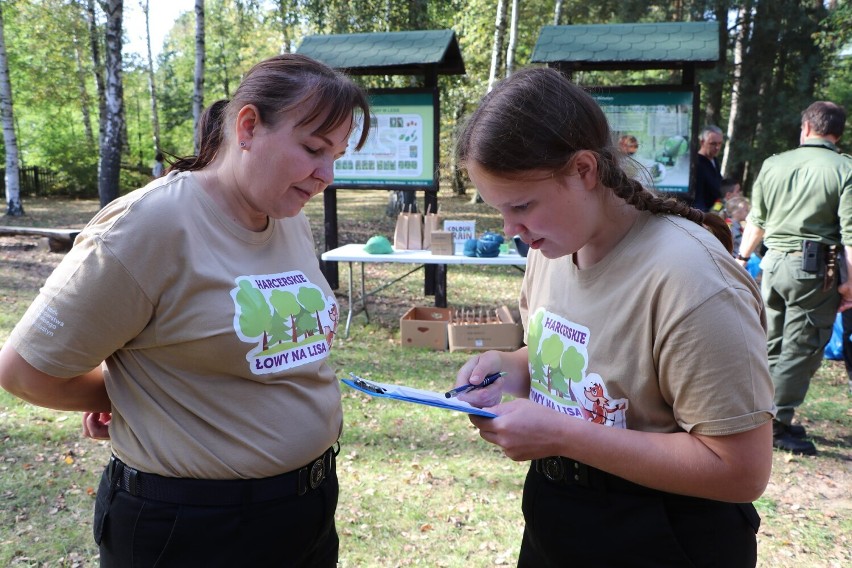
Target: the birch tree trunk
(513, 34)
(743, 32)
(13, 179)
(198, 92)
(97, 65)
(152, 85)
(497, 51)
(109, 159)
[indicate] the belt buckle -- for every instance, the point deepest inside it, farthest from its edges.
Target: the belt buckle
(553, 469)
(317, 473)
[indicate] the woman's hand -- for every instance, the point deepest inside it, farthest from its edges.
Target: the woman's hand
(96, 425)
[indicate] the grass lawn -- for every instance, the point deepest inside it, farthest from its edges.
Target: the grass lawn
(418, 485)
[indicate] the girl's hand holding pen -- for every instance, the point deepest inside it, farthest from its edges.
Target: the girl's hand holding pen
(481, 397)
(469, 387)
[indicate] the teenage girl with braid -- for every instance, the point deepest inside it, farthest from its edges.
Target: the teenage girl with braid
(643, 397)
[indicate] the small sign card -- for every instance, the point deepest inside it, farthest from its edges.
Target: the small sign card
(462, 231)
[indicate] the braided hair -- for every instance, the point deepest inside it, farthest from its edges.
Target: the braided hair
(537, 119)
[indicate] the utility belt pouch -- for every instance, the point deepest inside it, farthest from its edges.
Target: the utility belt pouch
(813, 256)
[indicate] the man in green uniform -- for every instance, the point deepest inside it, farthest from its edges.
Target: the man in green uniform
(802, 209)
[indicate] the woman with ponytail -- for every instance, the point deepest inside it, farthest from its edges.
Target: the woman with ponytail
(642, 397)
(192, 324)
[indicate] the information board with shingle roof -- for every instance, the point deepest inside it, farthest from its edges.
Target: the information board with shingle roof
(388, 53)
(629, 46)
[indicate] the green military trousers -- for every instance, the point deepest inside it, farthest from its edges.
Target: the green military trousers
(800, 317)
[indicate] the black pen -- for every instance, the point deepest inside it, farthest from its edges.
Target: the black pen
(465, 388)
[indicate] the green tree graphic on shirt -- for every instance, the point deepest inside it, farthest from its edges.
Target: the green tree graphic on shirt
(279, 329)
(284, 318)
(312, 300)
(255, 315)
(572, 364)
(288, 307)
(551, 353)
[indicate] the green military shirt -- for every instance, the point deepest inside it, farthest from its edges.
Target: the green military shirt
(804, 193)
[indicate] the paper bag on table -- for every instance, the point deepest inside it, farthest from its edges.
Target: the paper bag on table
(408, 233)
(430, 223)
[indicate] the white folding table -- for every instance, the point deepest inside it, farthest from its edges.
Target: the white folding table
(355, 253)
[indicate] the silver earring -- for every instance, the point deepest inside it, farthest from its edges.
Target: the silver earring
(242, 144)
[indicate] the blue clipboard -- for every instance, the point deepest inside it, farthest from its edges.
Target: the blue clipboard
(409, 394)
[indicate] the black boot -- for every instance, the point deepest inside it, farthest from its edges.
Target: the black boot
(789, 439)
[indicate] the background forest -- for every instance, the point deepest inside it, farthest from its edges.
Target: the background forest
(95, 115)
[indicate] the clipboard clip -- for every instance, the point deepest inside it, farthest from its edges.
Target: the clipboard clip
(366, 385)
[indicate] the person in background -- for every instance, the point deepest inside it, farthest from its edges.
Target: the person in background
(802, 211)
(846, 325)
(708, 177)
(159, 167)
(730, 188)
(628, 144)
(223, 414)
(737, 209)
(646, 440)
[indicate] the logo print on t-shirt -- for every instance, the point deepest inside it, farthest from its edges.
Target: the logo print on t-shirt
(559, 378)
(288, 319)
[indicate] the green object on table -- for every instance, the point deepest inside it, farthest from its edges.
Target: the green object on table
(378, 244)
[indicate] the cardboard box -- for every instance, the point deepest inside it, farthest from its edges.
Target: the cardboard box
(425, 327)
(507, 335)
(442, 242)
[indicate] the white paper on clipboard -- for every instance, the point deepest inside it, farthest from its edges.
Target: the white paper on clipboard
(410, 394)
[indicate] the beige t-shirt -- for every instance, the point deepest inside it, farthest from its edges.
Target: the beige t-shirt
(215, 338)
(666, 333)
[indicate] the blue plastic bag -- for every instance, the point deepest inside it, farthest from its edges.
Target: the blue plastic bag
(753, 266)
(834, 347)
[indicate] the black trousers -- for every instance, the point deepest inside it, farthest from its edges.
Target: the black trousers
(294, 531)
(622, 524)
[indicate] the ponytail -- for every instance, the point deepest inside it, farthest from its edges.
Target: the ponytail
(209, 138)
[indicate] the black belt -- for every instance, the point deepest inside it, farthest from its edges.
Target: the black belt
(558, 469)
(211, 492)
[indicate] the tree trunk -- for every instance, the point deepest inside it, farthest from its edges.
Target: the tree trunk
(513, 35)
(198, 92)
(418, 14)
(744, 25)
(557, 12)
(456, 174)
(497, 51)
(109, 162)
(758, 62)
(84, 96)
(152, 86)
(715, 83)
(288, 18)
(97, 65)
(13, 180)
